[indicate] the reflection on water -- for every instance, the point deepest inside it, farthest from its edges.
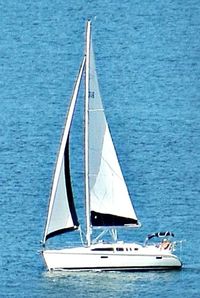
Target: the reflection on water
(108, 284)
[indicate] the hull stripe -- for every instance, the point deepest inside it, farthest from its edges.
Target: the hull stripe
(135, 268)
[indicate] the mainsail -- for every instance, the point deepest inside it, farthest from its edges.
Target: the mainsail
(110, 203)
(62, 215)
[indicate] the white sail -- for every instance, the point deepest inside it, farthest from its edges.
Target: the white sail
(110, 203)
(61, 214)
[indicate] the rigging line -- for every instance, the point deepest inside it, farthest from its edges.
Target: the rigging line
(96, 110)
(91, 174)
(81, 236)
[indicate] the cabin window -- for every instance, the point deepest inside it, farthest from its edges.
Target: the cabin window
(103, 249)
(119, 249)
(135, 248)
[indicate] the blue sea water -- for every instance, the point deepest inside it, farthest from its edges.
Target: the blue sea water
(148, 62)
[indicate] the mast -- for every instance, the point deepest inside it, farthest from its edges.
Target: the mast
(87, 195)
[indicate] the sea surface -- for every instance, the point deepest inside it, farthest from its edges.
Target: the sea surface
(148, 64)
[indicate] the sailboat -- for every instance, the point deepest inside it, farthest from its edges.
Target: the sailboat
(108, 205)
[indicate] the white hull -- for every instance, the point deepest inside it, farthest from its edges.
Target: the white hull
(118, 256)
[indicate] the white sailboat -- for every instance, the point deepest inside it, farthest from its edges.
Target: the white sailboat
(108, 204)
